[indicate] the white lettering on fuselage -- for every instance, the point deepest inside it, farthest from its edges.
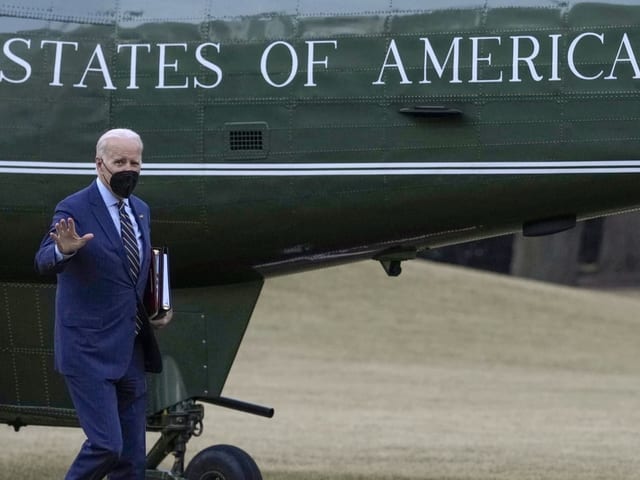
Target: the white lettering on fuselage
(102, 68)
(6, 49)
(589, 56)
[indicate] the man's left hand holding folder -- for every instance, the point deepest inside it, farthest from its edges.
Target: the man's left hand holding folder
(163, 320)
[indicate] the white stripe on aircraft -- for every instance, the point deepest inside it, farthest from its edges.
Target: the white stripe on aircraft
(336, 169)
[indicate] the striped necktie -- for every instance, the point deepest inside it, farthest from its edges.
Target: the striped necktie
(131, 248)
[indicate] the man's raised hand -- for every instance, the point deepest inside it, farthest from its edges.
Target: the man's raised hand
(67, 238)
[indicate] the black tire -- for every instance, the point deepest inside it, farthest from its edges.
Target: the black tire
(222, 462)
(250, 468)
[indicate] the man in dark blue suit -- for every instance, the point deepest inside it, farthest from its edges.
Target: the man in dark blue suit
(99, 246)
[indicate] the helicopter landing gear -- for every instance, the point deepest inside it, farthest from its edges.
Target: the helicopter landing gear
(219, 462)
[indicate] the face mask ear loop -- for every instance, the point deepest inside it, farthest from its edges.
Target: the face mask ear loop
(105, 167)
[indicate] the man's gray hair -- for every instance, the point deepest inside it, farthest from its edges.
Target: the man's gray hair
(101, 146)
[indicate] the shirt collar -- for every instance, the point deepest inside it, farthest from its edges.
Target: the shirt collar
(107, 196)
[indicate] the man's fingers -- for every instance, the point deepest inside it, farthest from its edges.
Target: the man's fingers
(158, 323)
(66, 237)
(66, 228)
(162, 321)
(62, 227)
(87, 236)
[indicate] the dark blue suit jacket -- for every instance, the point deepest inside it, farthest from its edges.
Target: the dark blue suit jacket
(96, 298)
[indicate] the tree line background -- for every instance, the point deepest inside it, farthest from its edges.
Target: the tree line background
(599, 252)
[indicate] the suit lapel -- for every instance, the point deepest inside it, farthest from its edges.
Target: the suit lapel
(101, 212)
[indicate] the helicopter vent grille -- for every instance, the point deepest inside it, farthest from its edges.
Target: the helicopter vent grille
(246, 140)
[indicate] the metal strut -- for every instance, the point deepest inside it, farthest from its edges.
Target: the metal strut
(239, 405)
(176, 426)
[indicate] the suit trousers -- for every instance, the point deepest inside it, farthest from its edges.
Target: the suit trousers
(112, 414)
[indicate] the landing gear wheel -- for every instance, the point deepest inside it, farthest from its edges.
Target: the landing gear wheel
(249, 467)
(222, 462)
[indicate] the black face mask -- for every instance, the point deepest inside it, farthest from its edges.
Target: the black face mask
(123, 183)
